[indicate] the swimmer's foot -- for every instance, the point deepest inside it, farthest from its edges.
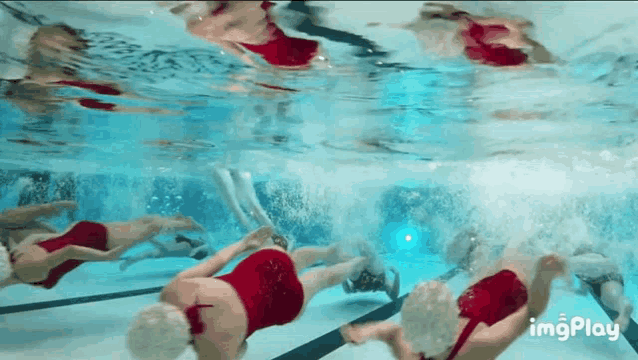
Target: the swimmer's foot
(336, 255)
(392, 289)
(624, 315)
(347, 287)
(185, 223)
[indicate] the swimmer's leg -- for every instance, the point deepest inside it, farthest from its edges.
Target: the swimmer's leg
(246, 191)
(612, 295)
(226, 187)
(310, 255)
(152, 254)
(317, 280)
(128, 234)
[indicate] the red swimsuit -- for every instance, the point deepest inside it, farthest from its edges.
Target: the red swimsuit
(96, 88)
(85, 233)
(280, 49)
(490, 54)
(490, 300)
(268, 287)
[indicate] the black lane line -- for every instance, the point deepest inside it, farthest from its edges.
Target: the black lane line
(327, 343)
(632, 330)
(76, 301)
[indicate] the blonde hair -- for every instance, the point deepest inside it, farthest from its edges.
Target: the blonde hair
(5, 264)
(159, 332)
(430, 318)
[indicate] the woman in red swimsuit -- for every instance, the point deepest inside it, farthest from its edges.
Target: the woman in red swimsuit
(218, 313)
(486, 40)
(484, 321)
(242, 27)
(43, 257)
(51, 49)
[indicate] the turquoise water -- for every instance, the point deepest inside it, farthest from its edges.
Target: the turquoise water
(380, 147)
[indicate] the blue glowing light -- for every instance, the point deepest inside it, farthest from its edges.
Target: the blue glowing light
(403, 237)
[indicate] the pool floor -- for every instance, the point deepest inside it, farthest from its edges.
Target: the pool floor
(97, 330)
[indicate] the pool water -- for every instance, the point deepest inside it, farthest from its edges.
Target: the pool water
(384, 142)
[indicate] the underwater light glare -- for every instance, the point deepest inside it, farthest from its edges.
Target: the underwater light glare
(402, 237)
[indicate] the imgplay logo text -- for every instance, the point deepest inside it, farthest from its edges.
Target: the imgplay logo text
(564, 329)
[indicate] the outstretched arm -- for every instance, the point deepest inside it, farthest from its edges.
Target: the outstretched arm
(217, 262)
(388, 332)
(495, 339)
(26, 214)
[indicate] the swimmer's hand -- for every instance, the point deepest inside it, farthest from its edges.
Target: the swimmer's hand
(552, 266)
(352, 334)
(257, 238)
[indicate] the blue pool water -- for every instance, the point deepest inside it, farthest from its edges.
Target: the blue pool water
(387, 143)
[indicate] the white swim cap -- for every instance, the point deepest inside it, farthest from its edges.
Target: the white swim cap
(159, 332)
(430, 318)
(5, 264)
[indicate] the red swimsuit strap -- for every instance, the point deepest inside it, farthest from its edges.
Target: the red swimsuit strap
(467, 331)
(194, 318)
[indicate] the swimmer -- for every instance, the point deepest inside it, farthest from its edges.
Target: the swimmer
(236, 187)
(466, 248)
(216, 314)
(237, 190)
(600, 275)
(485, 40)
(481, 324)
(373, 278)
(246, 26)
(43, 258)
(25, 221)
(52, 55)
(196, 249)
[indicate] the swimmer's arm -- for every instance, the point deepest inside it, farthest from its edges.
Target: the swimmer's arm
(26, 214)
(214, 264)
(387, 331)
(75, 252)
(496, 338)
